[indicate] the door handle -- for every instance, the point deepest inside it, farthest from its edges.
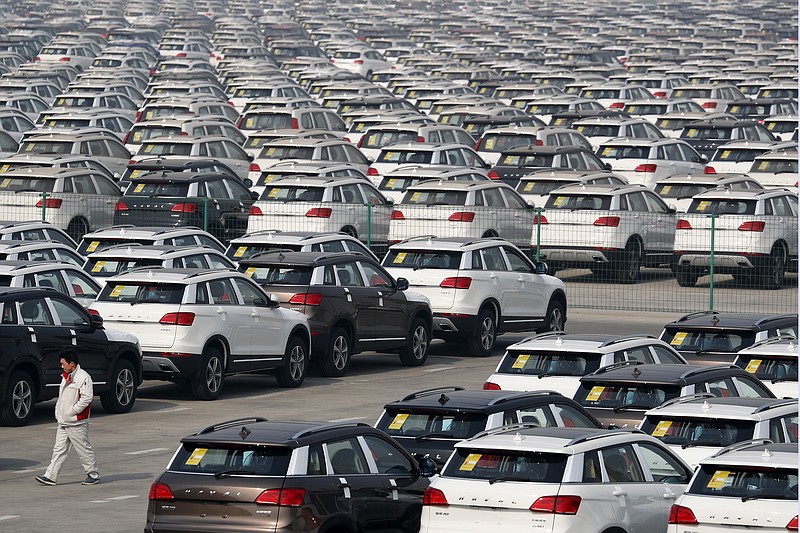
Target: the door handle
(619, 493)
(254, 314)
(670, 496)
(521, 279)
(492, 276)
(383, 492)
(220, 311)
(343, 486)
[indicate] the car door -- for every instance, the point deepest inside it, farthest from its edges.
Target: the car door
(527, 301)
(221, 207)
(378, 217)
(632, 497)
(267, 338)
(662, 223)
(25, 342)
(668, 477)
(235, 157)
(101, 214)
(40, 328)
(500, 280)
(388, 306)
(361, 297)
(234, 320)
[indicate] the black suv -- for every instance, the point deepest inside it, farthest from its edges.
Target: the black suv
(218, 202)
(173, 164)
(38, 324)
(620, 393)
(711, 337)
(252, 474)
(706, 136)
(429, 422)
(351, 302)
(523, 160)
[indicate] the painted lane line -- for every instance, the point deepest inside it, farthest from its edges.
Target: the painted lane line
(115, 498)
(142, 452)
(28, 471)
(8, 517)
(174, 409)
(436, 369)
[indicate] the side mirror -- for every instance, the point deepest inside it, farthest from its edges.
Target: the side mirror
(672, 208)
(530, 205)
(402, 284)
(540, 267)
(608, 166)
(273, 301)
(703, 158)
(254, 195)
(250, 157)
(389, 201)
(96, 321)
(247, 182)
(427, 467)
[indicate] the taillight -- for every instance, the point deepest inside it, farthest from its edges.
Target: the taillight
(683, 224)
(660, 94)
(617, 105)
(493, 175)
(488, 385)
(180, 54)
(120, 206)
(477, 145)
(709, 105)
(679, 514)
(63, 59)
(306, 299)
(709, 170)
(611, 222)
(434, 497)
(359, 61)
(125, 140)
(254, 167)
(319, 212)
(177, 319)
(539, 219)
(753, 225)
(462, 216)
(184, 208)
(556, 504)
(645, 168)
(138, 116)
(295, 124)
(282, 497)
(239, 122)
(397, 215)
(539, 143)
(792, 525)
(37, 58)
(256, 211)
(360, 141)
(160, 491)
(50, 203)
(371, 171)
(458, 282)
(131, 161)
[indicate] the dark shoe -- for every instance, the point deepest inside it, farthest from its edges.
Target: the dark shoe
(44, 480)
(89, 481)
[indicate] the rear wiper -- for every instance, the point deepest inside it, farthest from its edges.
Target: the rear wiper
(781, 380)
(151, 301)
(428, 436)
(624, 406)
(233, 472)
(508, 478)
(770, 495)
(25, 190)
(700, 443)
(554, 373)
(436, 203)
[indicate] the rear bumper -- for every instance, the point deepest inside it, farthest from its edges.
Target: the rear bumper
(156, 365)
(565, 256)
(722, 261)
(453, 325)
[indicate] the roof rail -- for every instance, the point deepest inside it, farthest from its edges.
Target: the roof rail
(697, 314)
(602, 434)
(776, 403)
(687, 398)
(773, 317)
(429, 392)
(614, 366)
(741, 445)
(418, 237)
(231, 423)
(545, 335)
(772, 340)
(695, 371)
(626, 338)
(327, 426)
(121, 245)
(504, 399)
(502, 429)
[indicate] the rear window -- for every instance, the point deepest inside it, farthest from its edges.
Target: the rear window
(143, 188)
(691, 93)
(26, 184)
(274, 121)
(410, 156)
(95, 245)
(447, 425)
(541, 187)
(706, 133)
(224, 460)
(282, 193)
(145, 133)
(698, 431)
(498, 142)
(286, 152)
(624, 152)
(435, 198)
(622, 395)
(139, 293)
(598, 130)
(737, 155)
(533, 161)
(418, 259)
(777, 166)
(680, 192)
(280, 275)
(649, 109)
(66, 123)
(708, 341)
(506, 465)
(549, 363)
(379, 139)
(706, 206)
(46, 147)
(248, 250)
(166, 149)
(576, 201)
(772, 368)
(746, 482)
(105, 268)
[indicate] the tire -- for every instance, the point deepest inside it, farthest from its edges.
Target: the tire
(18, 401)
(77, 228)
(122, 394)
(481, 343)
(556, 317)
(772, 274)
(627, 269)
(293, 373)
(415, 353)
(686, 277)
(208, 384)
(337, 358)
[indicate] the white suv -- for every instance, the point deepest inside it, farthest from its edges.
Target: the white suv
(479, 288)
(755, 236)
(774, 362)
(752, 483)
(646, 161)
(570, 480)
(203, 325)
(612, 229)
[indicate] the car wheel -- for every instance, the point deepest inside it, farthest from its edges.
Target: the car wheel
(628, 267)
(415, 353)
(774, 271)
(555, 318)
(18, 400)
(77, 228)
(122, 394)
(208, 385)
(337, 359)
(482, 341)
(686, 276)
(293, 372)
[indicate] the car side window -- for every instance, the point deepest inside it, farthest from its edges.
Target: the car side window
(105, 186)
(592, 473)
(316, 461)
(514, 201)
(193, 261)
(375, 277)
(45, 279)
(40, 255)
(184, 240)
(67, 314)
(216, 189)
(539, 416)
(222, 292)
(776, 433)
(636, 202)
(347, 457)
(9, 313)
(493, 259)
(372, 196)
(493, 198)
(656, 204)
(349, 275)
(572, 417)
(388, 458)
(81, 285)
(35, 313)
(665, 356)
(621, 465)
(722, 388)
(201, 294)
(477, 261)
(663, 467)
(329, 246)
(750, 389)
(640, 353)
(517, 261)
(249, 293)
(351, 194)
(238, 191)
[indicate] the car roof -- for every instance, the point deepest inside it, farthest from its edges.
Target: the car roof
(287, 257)
(172, 275)
(598, 188)
(724, 193)
(460, 400)
(735, 408)
(716, 319)
(583, 342)
(756, 453)
(459, 244)
(18, 267)
(704, 179)
(549, 439)
(134, 232)
(139, 251)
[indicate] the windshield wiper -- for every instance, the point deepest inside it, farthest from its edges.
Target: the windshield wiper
(25, 190)
(700, 443)
(770, 495)
(150, 301)
(554, 373)
(780, 380)
(436, 203)
(428, 436)
(233, 472)
(631, 405)
(508, 478)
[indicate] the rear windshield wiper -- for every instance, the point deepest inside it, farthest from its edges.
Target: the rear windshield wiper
(508, 478)
(25, 190)
(238, 471)
(150, 301)
(767, 495)
(428, 436)
(700, 443)
(624, 406)
(555, 373)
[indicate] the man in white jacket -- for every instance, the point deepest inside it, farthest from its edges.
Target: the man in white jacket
(72, 413)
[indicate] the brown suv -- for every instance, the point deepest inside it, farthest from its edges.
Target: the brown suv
(251, 474)
(351, 302)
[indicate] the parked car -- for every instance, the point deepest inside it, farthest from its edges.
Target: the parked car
(774, 362)
(648, 161)
(679, 189)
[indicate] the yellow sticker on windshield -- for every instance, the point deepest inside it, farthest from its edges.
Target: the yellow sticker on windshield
(98, 266)
(399, 420)
(489, 143)
(136, 173)
(595, 393)
(662, 428)
(416, 196)
(607, 151)
(196, 457)
(390, 183)
(529, 186)
(5, 168)
(250, 122)
(92, 246)
(753, 365)
(149, 148)
(5, 183)
(469, 463)
(521, 360)
(725, 154)
(139, 187)
(718, 480)
(763, 165)
(678, 338)
(116, 291)
(666, 189)
(250, 271)
(400, 257)
(240, 251)
(559, 121)
(273, 193)
(702, 206)
(559, 201)
(137, 136)
(771, 126)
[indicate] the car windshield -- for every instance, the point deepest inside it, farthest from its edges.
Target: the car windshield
(698, 431)
(164, 111)
(419, 259)
(404, 156)
(598, 130)
(776, 166)
(142, 292)
(66, 123)
(737, 155)
(577, 202)
(730, 206)
(506, 465)
(166, 148)
(635, 395)
(244, 251)
(46, 147)
(713, 340)
(145, 133)
(547, 109)
(173, 190)
(280, 274)
(105, 268)
(435, 197)
(283, 193)
(691, 93)
(450, 425)
(271, 121)
(738, 481)
(88, 246)
(225, 459)
(379, 139)
(769, 367)
(624, 152)
(286, 152)
(541, 187)
(500, 142)
(549, 363)
(9, 184)
(679, 191)
(706, 133)
(646, 109)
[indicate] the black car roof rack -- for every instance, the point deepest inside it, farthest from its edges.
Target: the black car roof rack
(741, 445)
(697, 314)
(772, 340)
(602, 435)
(615, 366)
(520, 395)
(429, 392)
(231, 423)
(773, 317)
(687, 398)
(776, 403)
(695, 371)
(326, 427)
(502, 429)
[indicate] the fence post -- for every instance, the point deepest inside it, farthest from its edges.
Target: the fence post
(44, 206)
(205, 213)
(369, 225)
(538, 232)
(711, 266)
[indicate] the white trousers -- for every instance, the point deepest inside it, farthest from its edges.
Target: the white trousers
(68, 437)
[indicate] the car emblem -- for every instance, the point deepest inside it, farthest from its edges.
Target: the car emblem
(244, 432)
(636, 372)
